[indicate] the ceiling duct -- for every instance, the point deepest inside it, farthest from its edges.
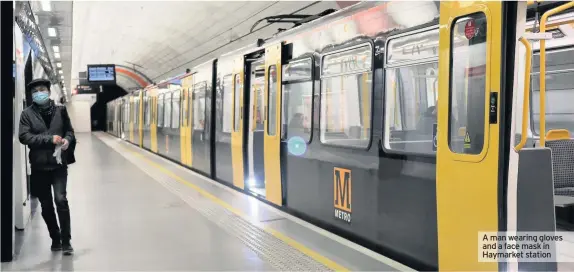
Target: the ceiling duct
(26, 21)
(295, 19)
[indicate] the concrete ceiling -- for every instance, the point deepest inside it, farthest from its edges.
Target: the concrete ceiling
(164, 38)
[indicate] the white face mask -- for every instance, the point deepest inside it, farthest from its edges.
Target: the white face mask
(41, 97)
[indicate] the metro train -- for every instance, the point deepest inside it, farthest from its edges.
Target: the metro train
(405, 126)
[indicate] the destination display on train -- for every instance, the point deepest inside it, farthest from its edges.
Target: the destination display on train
(102, 73)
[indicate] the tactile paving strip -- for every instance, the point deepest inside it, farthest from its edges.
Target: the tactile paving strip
(273, 250)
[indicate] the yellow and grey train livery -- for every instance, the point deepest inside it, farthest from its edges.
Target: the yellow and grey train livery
(409, 127)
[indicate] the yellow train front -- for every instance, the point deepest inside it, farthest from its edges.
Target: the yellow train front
(399, 125)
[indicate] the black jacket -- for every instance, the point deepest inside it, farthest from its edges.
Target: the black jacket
(38, 137)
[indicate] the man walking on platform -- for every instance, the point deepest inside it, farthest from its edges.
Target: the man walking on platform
(47, 131)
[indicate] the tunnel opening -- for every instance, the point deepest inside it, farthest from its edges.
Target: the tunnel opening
(98, 110)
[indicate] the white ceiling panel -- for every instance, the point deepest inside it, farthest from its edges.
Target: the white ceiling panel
(164, 38)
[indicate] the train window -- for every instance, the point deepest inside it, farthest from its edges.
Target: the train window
(184, 108)
(176, 114)
(272, 102)
(199, 96)
(559, 96)
(238, 89)
(346, 87)
(129, 114)
(410, 105)
(227, 101)
(147, 110)
(468, 85)
(167, 110)
(559, 91)
(160, 110)
(297, 101)
(136, 111)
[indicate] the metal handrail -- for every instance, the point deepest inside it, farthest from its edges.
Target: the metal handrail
(526, 100)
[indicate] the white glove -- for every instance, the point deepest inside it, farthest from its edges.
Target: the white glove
(65, 144)
(58, 154)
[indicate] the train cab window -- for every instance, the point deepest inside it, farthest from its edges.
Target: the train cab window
(160, 110)
(226, 104)
(468, 85)
(176, 112)
(411, 93)
(272, 102)
(199, 96)
(297, 101)
(167, 110)
(346, 87)
(559, 90)
(238, 89)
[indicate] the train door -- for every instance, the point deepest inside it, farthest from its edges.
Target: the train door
(237, 132)
(255, 132)
(145, 126)
(186, 129)
(272, 125)
(139, 118)
(469, 161)
(131, 118)
(201, 102)
(153, 122)
(184, 140)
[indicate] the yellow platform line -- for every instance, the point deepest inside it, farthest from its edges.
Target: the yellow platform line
(305, 250)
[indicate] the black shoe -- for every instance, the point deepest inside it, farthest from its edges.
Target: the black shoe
(67, 248)
(56, 245)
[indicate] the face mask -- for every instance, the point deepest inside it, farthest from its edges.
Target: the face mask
(41, 98)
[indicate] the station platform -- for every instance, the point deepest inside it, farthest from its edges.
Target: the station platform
(133, 210)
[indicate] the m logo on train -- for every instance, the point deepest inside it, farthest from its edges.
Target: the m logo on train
(342, 194)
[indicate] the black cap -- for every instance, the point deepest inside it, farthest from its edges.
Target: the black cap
(38, 82)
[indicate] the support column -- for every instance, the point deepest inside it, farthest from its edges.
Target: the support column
(6, 131)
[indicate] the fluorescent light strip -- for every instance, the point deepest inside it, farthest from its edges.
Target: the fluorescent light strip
(56, 49)
(57, 55)
(46, 6)
(52, 32)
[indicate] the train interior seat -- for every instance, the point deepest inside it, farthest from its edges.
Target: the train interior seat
(562, 147)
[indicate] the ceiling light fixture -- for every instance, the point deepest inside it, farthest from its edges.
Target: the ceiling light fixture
(46, 6)
(59, 65)
(52, 32)
(56, 49)
(60, 72)
(57, 55)
(62, 76)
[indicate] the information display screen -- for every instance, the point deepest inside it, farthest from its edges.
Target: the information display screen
(102, 73)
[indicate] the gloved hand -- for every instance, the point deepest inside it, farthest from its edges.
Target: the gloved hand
(58, 154)
(65, 144)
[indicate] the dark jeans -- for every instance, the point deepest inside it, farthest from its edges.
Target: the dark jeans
(42, 182)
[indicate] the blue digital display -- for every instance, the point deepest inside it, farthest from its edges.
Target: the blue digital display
(102, 73)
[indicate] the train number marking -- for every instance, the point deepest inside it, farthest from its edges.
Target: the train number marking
(342, 192)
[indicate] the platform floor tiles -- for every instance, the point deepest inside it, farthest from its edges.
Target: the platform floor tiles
(132, 210)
